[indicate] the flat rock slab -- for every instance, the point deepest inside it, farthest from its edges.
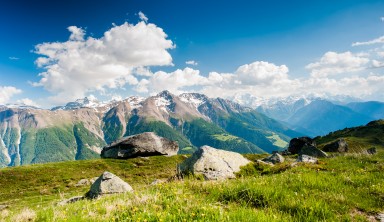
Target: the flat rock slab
(140, 145)
(213, 164)
(312, 151)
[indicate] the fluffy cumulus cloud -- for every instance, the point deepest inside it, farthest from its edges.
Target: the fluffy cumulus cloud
(6, 93)
(175, 81)
(82, 65)
(332, 63)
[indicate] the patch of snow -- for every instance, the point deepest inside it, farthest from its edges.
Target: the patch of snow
(193, 99)
(135, 101)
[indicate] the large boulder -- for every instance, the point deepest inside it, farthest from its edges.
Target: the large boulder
(274, 158)
(144, 144)
(339, 145)
(312, 151)
(296, 144)
(213, 164)
(108, 183)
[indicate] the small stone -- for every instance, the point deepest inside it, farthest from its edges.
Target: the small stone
(157, 182)
(70, 200)
(372, 150)
(264, 163)
(3, 207)
(82, 182)
(306, 159)
(274, 158)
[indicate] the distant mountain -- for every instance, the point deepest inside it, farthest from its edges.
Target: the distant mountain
(372, 109)
(321, 117)
(80, 129)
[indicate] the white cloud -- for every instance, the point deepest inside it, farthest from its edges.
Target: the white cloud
(77, 34)
(260, 72)
(13, 58)
(28, 102)
(334, 63)
(79, 66)
(191, 62)
(377, 64)
(143, 17)
(382, 19)
(6, 92)
(175, 81)
(370, 42)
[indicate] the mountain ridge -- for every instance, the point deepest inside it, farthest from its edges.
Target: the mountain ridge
(80, 129)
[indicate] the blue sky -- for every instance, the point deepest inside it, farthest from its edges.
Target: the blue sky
(262, 48)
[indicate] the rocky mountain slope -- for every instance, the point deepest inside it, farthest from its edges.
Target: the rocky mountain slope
(80, 129)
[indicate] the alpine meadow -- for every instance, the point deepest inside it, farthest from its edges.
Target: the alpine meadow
(172, 110)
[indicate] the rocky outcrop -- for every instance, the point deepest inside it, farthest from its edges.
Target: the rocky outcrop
(108, 183)
(213, 164)
(144, 144)
(274, 158)
(340, 146)
(372, 150)
(312, 151)
(296, 144)
(306, 159)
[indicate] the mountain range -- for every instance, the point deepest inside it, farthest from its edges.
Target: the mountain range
(314, 116)
(80, 129)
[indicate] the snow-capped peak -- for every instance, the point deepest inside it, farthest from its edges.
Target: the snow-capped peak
(195, 99)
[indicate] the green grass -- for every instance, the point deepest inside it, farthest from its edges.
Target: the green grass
(343, 188)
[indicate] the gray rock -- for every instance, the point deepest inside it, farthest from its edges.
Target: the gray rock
(3, 207)
(296, 144)
(92, 180)
(264, 163)
(213, 164)
(312, 151)
(157, 181)
(306, 159)
(274, 158)
(372, 150)
(144, 144)
(108, 183)
(70, 200)
(339, 145)
(380, 217)
(82, 182)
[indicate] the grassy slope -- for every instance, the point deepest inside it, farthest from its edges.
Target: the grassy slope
(344, 188)
(358, 138)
